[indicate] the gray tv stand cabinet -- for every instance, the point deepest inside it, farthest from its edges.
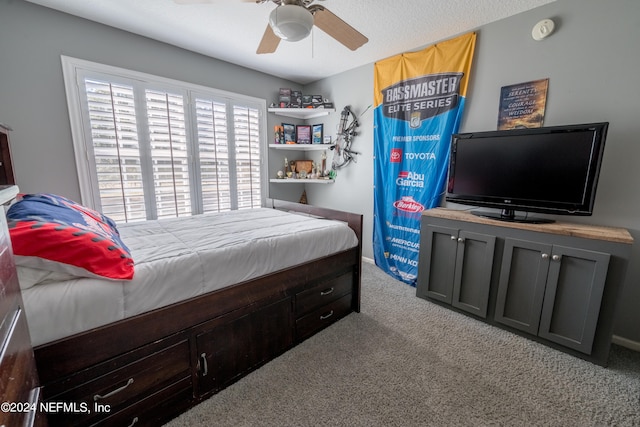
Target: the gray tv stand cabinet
(555, 283)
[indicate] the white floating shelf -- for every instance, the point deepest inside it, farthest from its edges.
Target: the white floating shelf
(301, 147)
(302, 113)
(301, 181)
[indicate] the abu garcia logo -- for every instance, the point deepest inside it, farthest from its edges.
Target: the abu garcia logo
(410, 179)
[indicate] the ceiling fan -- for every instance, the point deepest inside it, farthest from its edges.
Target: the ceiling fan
(292, 20)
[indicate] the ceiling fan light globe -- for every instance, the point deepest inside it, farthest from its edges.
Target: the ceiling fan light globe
(291, 22)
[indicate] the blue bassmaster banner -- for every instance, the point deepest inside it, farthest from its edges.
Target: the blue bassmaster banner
(419, 99)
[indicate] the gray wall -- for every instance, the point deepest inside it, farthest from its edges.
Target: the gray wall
(32, 97)
(591, 63)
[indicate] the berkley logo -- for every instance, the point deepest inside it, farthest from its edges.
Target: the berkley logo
(420, 98)
(396, 155)
(407, 204)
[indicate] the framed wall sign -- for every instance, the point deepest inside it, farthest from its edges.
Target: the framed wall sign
(303, 134)
(522, 105)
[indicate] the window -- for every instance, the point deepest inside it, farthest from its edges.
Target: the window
(150, 148)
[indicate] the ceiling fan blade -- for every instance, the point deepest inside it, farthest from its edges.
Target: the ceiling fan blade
(338, 29)
(269, 42)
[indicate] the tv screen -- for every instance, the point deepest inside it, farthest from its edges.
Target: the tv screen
(549, 170)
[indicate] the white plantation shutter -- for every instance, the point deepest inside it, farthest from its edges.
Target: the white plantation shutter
(213, 152)
(247, 143)
(168, 150)
(116, 150)
(149, 148)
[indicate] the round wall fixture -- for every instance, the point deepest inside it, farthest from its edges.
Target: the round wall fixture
(542, 29)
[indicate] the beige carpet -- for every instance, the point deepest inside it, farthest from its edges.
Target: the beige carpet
(404, 361)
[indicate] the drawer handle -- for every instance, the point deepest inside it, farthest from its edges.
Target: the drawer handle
(205, 367)
(134, 422)
(326, 292)
(116, 391)
(326, 316)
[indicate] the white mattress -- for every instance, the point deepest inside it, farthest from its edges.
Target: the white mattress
(182, 258)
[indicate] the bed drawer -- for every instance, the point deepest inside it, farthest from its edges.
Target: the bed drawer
(153, 410)
(323, 293)
(322, 317)
(121, 387)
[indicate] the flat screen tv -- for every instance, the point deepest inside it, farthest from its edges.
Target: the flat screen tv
(551, 170)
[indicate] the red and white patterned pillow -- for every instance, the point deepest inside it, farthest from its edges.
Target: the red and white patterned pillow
(51, 232)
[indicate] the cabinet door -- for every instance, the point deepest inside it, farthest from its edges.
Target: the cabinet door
(437, 263)
(472, 275)
(523, 275)
(572, 298)
(231, 350)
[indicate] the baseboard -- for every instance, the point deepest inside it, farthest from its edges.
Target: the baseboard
(369, 260)
(624, 342)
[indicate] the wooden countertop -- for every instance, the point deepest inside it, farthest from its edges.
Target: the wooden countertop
(611, 234)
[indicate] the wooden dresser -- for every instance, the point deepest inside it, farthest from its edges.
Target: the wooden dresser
(556, 283)
(19, 386)
(6, 165)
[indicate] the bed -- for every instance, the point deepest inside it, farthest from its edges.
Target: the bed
(211, 298)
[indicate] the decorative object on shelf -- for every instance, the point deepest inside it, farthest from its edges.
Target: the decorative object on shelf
(317, 132)
(278, 135)
(304, 165)
(343, 154)
(303, 198)
(303, 134)
(289, 132)
(280, 175)
(306, 101)
(295, 99)
(323, 167)
(284, 98)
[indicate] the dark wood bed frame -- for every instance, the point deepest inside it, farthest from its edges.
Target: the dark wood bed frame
(147, 369)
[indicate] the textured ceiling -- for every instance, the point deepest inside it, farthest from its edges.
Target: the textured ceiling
(231, 29)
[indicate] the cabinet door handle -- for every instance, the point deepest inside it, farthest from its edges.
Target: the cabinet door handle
(555, 257)
(453, 237)
(326, 316)
(545, 256)
(326, 292)
(460, 240)
(111, 393)
(205, 367)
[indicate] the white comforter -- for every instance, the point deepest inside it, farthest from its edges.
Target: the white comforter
(182, 258)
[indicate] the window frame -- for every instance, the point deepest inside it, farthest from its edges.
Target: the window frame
(74, 69)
